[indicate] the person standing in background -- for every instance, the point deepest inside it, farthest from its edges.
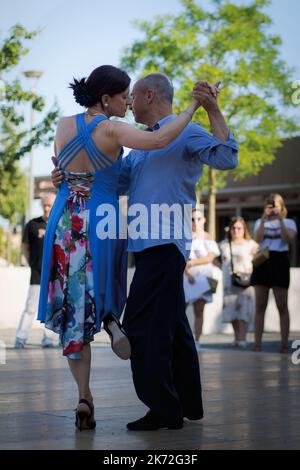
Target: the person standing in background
(275, 232)
(237, 255)
(199, 271)
(32, 248)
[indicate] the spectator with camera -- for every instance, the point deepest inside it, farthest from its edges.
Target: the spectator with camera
(274, 232)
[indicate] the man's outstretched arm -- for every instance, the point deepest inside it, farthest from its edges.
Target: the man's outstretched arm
(209, 102)
(219, 149)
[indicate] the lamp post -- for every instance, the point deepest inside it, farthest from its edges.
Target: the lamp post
(33, 76)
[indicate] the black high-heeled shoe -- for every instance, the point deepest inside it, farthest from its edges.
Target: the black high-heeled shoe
(119, 340)
(83, 419)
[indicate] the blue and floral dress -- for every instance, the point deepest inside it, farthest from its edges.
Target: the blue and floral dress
(83, 275)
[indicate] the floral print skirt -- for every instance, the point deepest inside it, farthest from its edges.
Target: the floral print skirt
(71, 309)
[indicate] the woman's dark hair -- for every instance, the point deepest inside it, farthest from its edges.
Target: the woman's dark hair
(104, 80)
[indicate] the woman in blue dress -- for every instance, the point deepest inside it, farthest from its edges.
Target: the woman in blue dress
(84, 271)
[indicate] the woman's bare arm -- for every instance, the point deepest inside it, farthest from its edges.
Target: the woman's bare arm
(126, 135)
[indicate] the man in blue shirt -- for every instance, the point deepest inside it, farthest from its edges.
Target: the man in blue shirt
(164, 360)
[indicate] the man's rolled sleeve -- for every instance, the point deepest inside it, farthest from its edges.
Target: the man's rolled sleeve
(211, 151)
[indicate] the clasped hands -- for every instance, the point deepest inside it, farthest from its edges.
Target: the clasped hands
(206, 94)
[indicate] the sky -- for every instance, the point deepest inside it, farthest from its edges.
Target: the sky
(79, 35)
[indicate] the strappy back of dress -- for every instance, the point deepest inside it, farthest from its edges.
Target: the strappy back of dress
(80, 183)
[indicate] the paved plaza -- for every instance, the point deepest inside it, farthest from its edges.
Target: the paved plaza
(251, 400)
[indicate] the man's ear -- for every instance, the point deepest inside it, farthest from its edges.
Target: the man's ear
(150, 96)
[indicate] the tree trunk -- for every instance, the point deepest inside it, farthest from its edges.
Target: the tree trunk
(212, 203)
(198, 196)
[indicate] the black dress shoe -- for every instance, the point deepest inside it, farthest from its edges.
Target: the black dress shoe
(151, 423)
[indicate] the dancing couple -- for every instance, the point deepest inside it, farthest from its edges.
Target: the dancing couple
(84, 276)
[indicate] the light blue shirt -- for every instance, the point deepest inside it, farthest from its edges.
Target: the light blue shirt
(168, 176)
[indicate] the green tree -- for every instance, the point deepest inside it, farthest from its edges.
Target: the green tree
(13, 199)
(13, 196)
(229, 42)
(15, 140)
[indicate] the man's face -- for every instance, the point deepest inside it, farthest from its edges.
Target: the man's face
(198, 221)
(47, 203)
(139, 105)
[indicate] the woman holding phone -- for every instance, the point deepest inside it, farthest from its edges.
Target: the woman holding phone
(275, 232)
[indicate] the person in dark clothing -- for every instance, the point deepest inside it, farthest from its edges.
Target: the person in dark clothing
(32, 247)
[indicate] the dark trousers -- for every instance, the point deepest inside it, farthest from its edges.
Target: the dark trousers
(164, 359)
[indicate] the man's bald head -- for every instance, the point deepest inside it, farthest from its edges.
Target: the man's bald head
(152, 98)
(48, 199)
(161, 84)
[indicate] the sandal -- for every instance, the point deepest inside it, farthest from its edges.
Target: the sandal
(83, 419)
(119, 340)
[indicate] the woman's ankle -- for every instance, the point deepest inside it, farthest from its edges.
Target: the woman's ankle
(86, 396)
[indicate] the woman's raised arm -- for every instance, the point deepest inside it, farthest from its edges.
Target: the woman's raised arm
(127, 136)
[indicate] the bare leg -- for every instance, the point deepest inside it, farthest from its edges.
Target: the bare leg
(235, 326)
(281, 298)
(261, 296)
(243, 328)
(198, 312)
(80, 369)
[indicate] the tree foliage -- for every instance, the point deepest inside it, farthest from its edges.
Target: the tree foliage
(13, 196)
(15, 140)
(229, 42)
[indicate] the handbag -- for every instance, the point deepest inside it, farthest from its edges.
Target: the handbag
(213, 284)
(239, 279)
(261, 257)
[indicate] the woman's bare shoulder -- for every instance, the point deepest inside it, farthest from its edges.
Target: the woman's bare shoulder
(66, 129)
(65, 119)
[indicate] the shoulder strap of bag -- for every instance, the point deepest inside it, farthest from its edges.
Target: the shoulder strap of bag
(231, 260)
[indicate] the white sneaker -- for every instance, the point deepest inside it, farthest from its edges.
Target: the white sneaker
(20, 343)
(242, 344)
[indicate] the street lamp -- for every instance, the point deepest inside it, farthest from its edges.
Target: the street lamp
(33, 76)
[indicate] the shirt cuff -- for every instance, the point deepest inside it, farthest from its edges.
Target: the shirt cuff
(230, 142)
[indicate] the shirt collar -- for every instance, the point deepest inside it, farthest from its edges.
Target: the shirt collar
(164, 121)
